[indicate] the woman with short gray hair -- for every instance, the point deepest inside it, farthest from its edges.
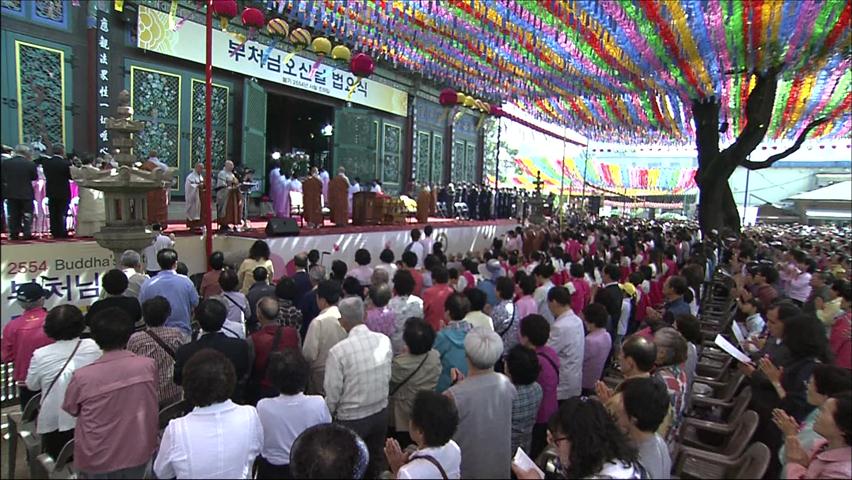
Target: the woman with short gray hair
(484, 401)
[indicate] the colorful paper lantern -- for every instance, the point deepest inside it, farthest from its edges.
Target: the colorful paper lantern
(278, 30)
(300, 38)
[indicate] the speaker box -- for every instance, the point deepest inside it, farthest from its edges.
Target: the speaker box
(594, 205)
(282, 227)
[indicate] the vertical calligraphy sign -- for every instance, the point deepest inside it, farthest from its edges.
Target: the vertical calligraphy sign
(102, 71)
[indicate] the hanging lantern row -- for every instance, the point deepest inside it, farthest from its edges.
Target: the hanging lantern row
(449, 98)
(361, 65)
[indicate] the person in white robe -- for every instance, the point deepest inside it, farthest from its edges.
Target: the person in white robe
(283, 208)
(192, 191)
(295, 184)
(274, 173)
(353, 189)
(91, 211)
(323, 176)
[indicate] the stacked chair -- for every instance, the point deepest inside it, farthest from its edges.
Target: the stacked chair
(22, 427)
(60, 468)
(715, 438)
(42, 465)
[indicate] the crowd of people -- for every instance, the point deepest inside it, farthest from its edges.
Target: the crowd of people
(578, 345)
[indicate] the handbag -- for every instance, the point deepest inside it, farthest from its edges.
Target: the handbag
(161, 343)
(514, 311)
(434, 462)
(552, 364)
(50, 387)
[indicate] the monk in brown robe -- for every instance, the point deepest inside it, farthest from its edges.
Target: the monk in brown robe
(424, 204)
(229, 208)
(312, 191)
(157, 200)
(338, 199)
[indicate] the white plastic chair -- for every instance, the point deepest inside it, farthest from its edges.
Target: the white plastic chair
(297, 205)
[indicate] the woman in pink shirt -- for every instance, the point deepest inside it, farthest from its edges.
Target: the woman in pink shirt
(581, 293)
(526, 305)
(832, 457)
(797, 278)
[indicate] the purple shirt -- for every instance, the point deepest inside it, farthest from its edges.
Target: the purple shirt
(115, 402)
(548, 378)
(595, 352)
(381, 320)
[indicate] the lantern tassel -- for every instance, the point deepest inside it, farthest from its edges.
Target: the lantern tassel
(240, 38)
(182, 21)
(223, 24)
(445, 115)
(264, 57)
(292, 54)
(314, 68)
(458, 115)
(481, 121)
(172, 13)
(353, 87)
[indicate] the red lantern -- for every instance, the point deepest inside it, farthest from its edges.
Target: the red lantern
(362, 66)
(225, 10)
(253, 18)
(447, 97)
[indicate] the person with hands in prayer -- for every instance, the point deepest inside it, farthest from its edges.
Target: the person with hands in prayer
(434, 419)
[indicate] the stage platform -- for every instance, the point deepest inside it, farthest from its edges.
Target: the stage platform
(71, 268)
(257, 229)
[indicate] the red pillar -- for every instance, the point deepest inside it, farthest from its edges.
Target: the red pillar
(207, 202)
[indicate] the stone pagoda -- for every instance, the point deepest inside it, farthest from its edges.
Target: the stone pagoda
(537, 203)
(125, 188)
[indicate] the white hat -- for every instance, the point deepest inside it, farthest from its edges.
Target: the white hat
(491, 270)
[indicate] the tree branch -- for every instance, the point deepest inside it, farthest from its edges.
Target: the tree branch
(786, 153)
(758, 114)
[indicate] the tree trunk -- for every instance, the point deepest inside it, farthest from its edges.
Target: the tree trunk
(717, 209)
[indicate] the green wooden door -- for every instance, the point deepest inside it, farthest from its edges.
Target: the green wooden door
(391, 171)
(254, 131)
(356, 139)
(36, 87)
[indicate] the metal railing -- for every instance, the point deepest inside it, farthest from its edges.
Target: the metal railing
(8, 389)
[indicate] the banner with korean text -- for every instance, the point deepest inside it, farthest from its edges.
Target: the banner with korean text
(71, 271)
(187, 42)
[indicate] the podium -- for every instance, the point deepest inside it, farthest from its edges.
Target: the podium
(365, 209)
